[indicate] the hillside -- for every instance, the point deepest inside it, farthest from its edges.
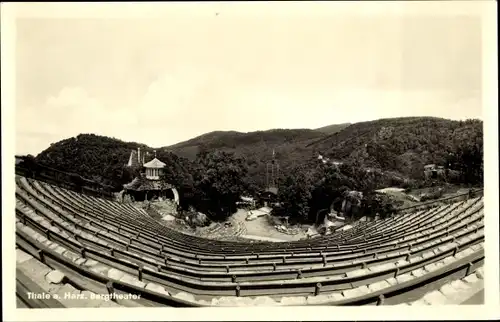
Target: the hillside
(101, 158)
(334, 128)
(241, 142)
(289, 146)
(401, 145)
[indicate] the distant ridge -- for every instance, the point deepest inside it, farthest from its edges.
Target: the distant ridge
(333, 128)
(393, 144)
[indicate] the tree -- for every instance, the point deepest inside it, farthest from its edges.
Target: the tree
(31, 165)
(329, 183)
(352, 203)
(219, 182)
(307, 194)
(128, 174)
(295, 195)
(376, 203)
(468, 160)
(412, 165)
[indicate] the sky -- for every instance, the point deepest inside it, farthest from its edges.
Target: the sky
(169, 77)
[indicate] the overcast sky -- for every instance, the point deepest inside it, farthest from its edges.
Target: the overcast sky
(174, 76)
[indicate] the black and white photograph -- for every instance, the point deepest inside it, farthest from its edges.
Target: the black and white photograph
(273, 155)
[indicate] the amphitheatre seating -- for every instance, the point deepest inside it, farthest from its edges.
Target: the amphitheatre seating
(108, 247)
(295, 247)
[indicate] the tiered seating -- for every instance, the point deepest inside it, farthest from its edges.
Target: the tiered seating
(95, 241)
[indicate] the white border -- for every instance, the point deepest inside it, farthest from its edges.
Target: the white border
(487, 9)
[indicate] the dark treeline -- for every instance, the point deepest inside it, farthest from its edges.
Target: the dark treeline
(214, 170)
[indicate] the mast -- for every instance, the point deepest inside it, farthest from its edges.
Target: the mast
(272, 172)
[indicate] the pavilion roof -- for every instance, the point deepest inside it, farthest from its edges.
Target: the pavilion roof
(155, 163)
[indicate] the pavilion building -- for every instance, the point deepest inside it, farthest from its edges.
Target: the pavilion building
(150, 183)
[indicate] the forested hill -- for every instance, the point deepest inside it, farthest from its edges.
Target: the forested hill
(102, 159)
(334, 128)
(403, 145)
(260, 142)
(218, 139)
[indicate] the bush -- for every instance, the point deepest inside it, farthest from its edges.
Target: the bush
(219, 183)
(375, 203)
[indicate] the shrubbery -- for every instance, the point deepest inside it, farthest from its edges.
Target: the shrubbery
(219, 181)
(308, 192)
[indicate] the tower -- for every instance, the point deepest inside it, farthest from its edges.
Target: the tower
(272, 173)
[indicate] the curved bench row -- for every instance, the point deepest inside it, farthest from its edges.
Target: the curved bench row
(465, 229)
(296, 257)
(354, 295)
(342, 265)
(183, 243)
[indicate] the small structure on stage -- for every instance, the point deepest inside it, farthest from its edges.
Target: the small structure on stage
(150, 184)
